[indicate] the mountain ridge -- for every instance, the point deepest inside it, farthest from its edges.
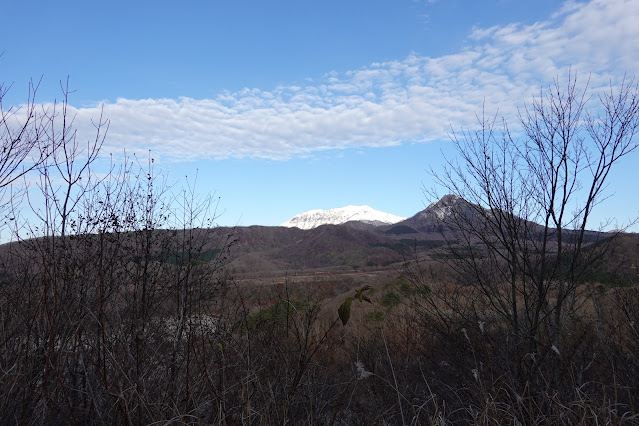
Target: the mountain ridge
(349, 246)
(314, 218)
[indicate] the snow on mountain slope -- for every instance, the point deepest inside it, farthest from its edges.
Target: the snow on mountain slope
(314, 218)
(444, 207)
(438, 213)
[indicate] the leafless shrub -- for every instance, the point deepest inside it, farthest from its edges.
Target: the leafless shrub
(116, 307)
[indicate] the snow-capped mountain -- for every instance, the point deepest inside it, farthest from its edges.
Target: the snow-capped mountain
(444, 207)
(314, 218)
(435, 215)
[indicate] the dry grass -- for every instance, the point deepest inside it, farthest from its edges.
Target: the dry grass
(432, 354)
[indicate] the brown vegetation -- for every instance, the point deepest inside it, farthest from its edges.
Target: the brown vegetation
(117, 307)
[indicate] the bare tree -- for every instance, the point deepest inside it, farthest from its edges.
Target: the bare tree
(21, 130)
(520, 229)
(23, 145)
(102, 282)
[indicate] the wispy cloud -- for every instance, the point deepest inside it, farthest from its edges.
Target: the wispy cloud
(416, 99)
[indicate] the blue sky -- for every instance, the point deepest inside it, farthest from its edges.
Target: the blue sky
(287, 106)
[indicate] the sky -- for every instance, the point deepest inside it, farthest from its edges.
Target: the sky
(286, 106)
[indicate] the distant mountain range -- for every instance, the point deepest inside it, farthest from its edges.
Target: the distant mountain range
(365, 214)
(365, 217)
(349, 238)
(353, 238)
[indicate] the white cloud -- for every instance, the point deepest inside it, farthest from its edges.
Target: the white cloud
(415, 99)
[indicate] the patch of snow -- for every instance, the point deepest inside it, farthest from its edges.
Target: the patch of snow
(314, 218)
(444, 207)
(362, 373)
